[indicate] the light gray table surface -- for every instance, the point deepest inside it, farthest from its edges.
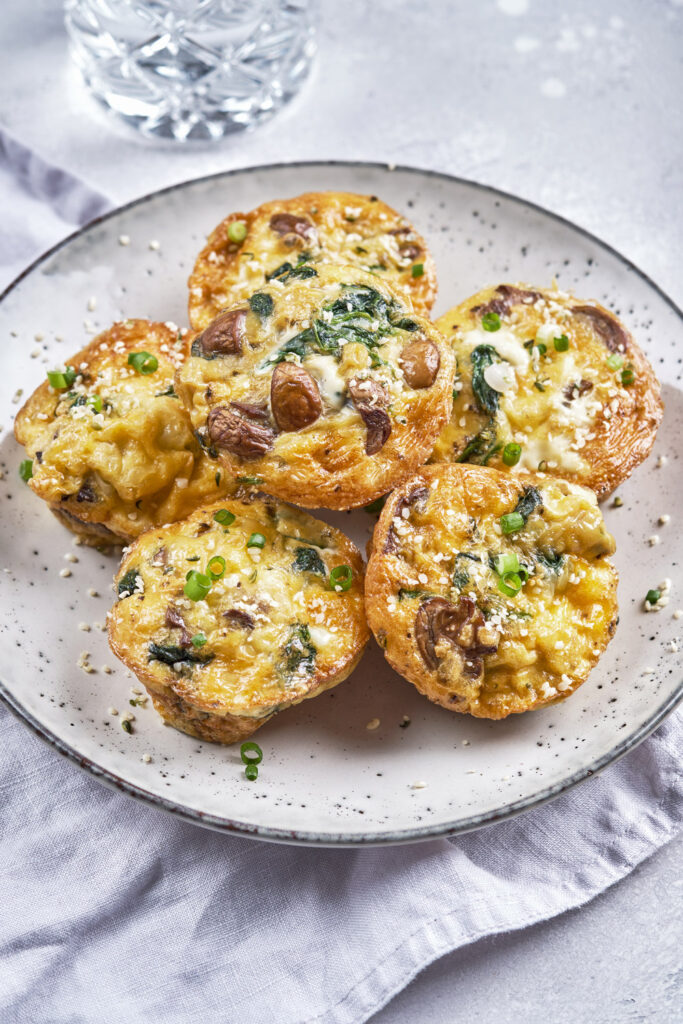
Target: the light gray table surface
(574, 105)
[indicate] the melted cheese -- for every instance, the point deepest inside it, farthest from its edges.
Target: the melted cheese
(506, 343)
(331, 383)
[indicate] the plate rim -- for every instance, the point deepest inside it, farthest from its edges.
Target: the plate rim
(223, 824)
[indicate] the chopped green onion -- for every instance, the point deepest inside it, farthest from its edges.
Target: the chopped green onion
(418, 269)
(512, 453)
(257, 540)
(216, 567)
(237, 231)
(249, 748)
(125, 725)
(251, 772)
(341, 577)
(26, 469)
(95, 402)
(653, 596)
(143, 362)
(628, 376)
(615, 361)
(542, 348)
(490, 322)
(511, 522)
(510, 584)
(224, 516)
(506, 562)
(61, 379)
(198, 640)
(255, 480)
(197, 585)
(561, 344)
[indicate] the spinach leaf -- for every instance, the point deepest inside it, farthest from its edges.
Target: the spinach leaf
(482, 446)
(170, 391)
(461, 578)
(405, 594)
(482, 357)
(298, 651)
(170, 654)
(300, 270)
(308, 560)
(261, 304)
(128, 582)
(529, 500)
(550, 560)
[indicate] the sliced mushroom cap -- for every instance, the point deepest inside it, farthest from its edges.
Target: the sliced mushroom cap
(174, 620)
(294, 397)
(577, 389)
(420, 361)
(87, 493)
(250, 410)
(409, 250)
(418, 494)
(609, 330)
(461, 625)
(506, 297)
(223, 336)
(239, 619)
(234, 433)
(292, 224)
(370, 399)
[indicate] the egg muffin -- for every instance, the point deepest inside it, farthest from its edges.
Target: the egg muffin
(286, 237)
(548, 382)
(112, 446)
(237, 612)
(328, 390)
(493, 595)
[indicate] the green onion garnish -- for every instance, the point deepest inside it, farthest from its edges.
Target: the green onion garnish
(511, 522)
(506, 562)
(251, 772)
(341, 577)
(490, 322)
(542, 348)
(254, 480)
(143, 362)
(512, 453)
(510, 584)
(125, 725)
(61, 379)
(257, 540)
(615, 361)
(653, 596)
(418, 269)
(224, 516)
(198, 640)
(216, 567)
(197, 585)
(95, 402)
(561, 344)
(237, 231)
(26, 469)
(248, 749)
(628, 376)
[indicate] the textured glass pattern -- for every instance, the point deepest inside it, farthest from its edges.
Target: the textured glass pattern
(192, 69)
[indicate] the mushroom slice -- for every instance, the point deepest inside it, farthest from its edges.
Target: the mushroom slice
(238, 435)
(418, 494)
(460, 625)
(420, 361)
(294, 397)
(292, 224)
(174, 620)
(370, 399)
(223, 336)
(609, 330)
(507, 296)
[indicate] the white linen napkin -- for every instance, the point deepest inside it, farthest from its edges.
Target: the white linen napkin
(116, 912)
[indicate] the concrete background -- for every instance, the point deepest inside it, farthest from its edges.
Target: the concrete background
(575, 105)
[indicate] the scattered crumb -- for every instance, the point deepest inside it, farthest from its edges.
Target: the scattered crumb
(154, 245)
(113, 711)
(653, 540)
(68, 557)
(92, 592)
(662, 461)
(418, 785)
(124, 239)
(672, 646)
(618, 502)
(107, 669)
(92, 303)
(466, 743)
(84, 663)
(648, 671)
(85, 626)
(678, 614)
(65, 573)
(663, 520)
(147, 758)
(373, 724)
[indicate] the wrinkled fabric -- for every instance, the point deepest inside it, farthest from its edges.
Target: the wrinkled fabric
(115, 912)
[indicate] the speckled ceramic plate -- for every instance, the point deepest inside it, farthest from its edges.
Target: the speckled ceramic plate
(325, 777)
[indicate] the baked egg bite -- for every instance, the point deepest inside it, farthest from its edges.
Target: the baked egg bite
(112, 448)
(286, 237)
(547, 382)
(328, 390)
(237, 612)
(493, 595)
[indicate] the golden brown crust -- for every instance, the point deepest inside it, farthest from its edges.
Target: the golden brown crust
(344, 425)
(272, 629)
(108, 475)
(433, 588)
(569, 410)
(339, 227)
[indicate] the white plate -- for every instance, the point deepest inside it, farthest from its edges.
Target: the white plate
(325, 778)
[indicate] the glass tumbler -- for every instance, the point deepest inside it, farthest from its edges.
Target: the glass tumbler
(192, 69)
